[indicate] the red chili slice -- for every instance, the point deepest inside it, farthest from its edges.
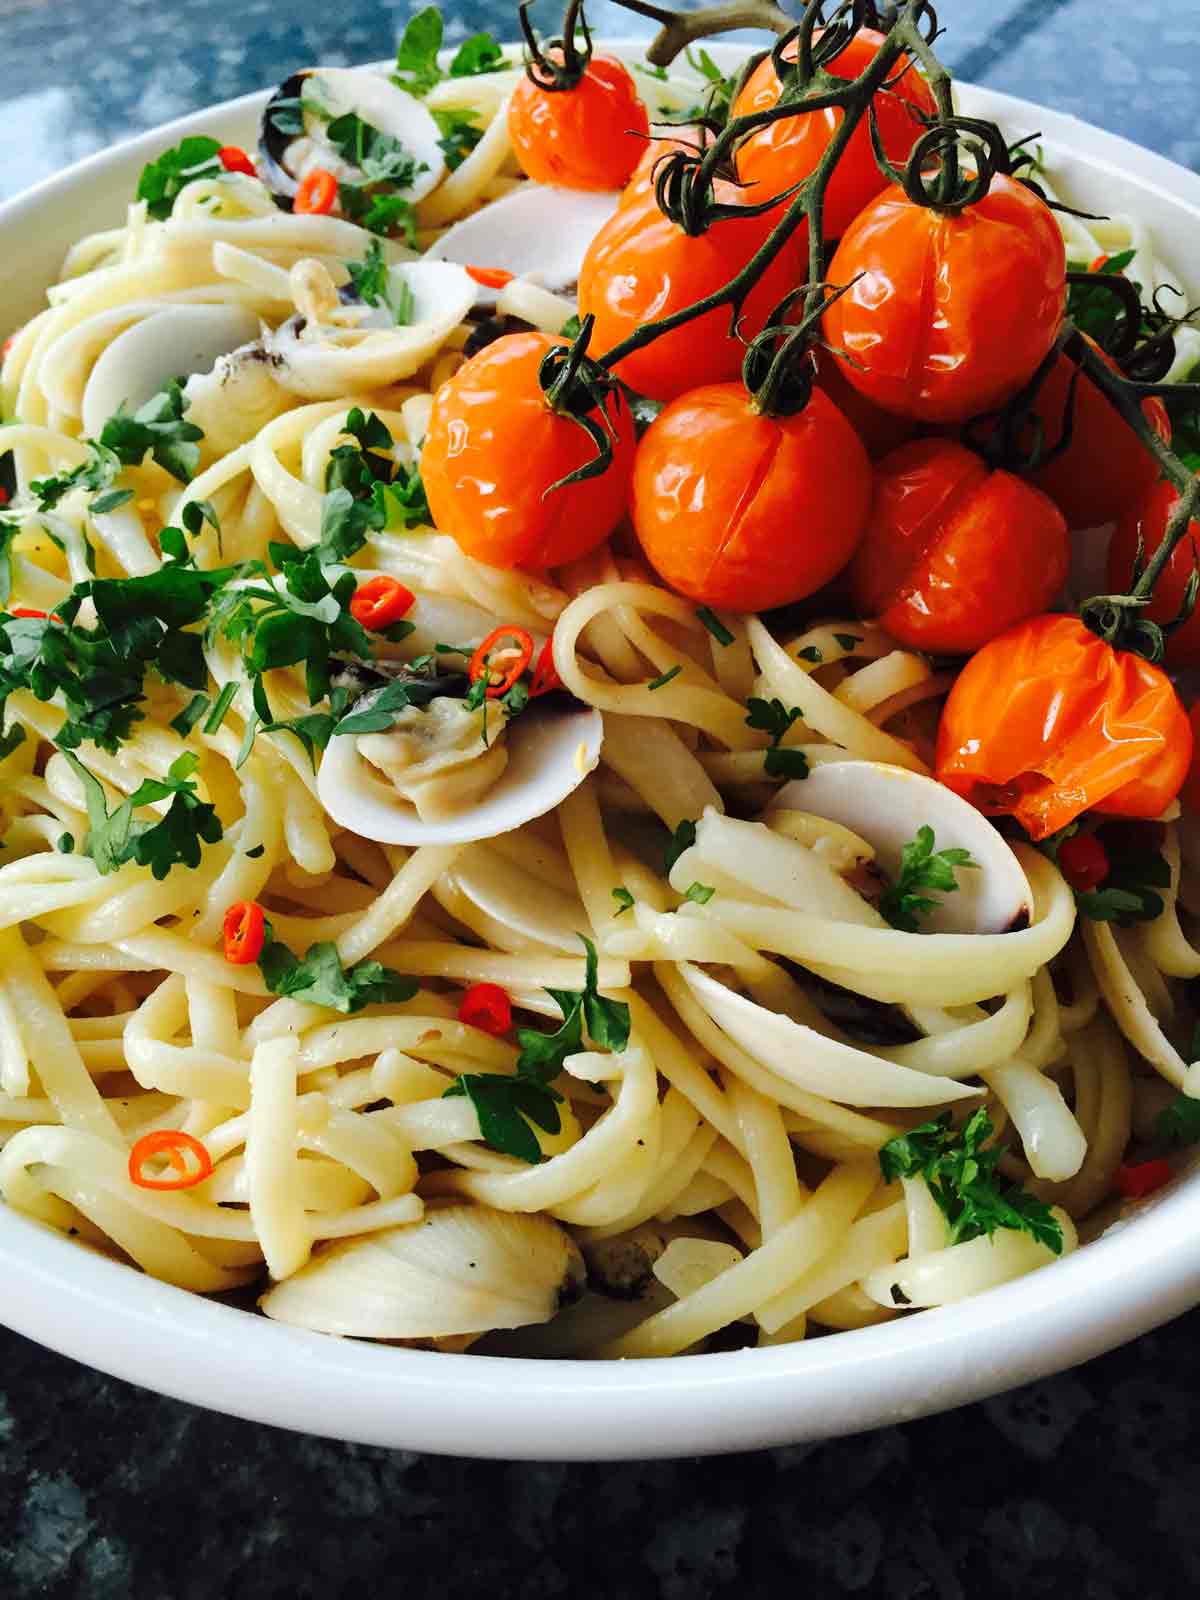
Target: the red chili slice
(510, 671)
(486, 1006)
(245, 930)
(176, 1146)
(380, 602)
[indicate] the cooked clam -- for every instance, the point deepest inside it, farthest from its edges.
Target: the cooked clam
(537, 231)
(462, 1270)
(172, 343)
(886, 805)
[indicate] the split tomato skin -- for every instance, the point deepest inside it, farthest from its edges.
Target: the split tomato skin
(776, 157)
(947, 316)
(641, 267)
(743, 511)
(493, 449)
(1147, 523)
(1106, 471)
(587, 137)
(1048, 721)
(955, 553)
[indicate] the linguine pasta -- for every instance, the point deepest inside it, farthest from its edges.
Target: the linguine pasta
(737, 1169)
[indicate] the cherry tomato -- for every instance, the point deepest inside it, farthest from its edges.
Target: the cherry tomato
(641, 267)
(1049, 721)
(1083, 861)
(955, 553)
(641, 179)
(587, 137)
(495, 446)
(1106, 470)
(1148, 522)
(744, 511)
(948, 316)
(881, 431)
(781, 154)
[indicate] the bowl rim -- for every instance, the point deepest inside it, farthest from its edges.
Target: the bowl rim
(112, 1317)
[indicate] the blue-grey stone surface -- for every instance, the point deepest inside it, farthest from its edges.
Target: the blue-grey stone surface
(1084, 1487)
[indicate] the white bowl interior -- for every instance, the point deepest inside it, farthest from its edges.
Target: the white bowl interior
(1141, 1273)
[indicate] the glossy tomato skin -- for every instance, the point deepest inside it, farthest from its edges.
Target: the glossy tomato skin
(947, 316)
(743, 511)
(954, 552)
(1105, 471)
(1047, 722)
(779, 155)
(641, 267)
(588, 137)
(1148, 522)
(494, 446)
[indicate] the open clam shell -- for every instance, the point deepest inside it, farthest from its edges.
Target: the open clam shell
(537, 231)
(325, 94)
(175, 342)
(812, 1061)
(552, 747)
(886, 805)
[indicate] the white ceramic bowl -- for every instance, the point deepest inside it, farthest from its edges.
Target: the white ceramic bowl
(1141, 1273)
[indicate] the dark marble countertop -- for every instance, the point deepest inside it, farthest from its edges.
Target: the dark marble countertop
(1084, 1486)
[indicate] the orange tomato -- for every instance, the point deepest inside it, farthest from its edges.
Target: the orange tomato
(1049, 721)
(1148, 522)
(781, 154)
(881, 431)
(587, 137)
(948, 315)
(495, 446)
(641, 267)
(955, 553)
(1106, 470)
(641, 179)
(744, 511)
(1190, 793)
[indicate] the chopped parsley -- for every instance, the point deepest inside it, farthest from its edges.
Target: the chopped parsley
(624, 899)
(321, 980)
(712, 622)
(848, 641)
(162, 180)
(923, 873)
(372, 278)
(699, 893)
(961, 1175)
(665, 677)
(459, 137)
(682, 839)
(811, 654)
(1179, 1123)
(504, 1103)
(417, 68)
(388, 704)
(174, 839)
(1129, 893)
(378, 156)
(774, 718)
(367, 490)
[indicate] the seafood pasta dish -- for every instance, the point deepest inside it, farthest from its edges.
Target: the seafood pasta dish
(596, 757)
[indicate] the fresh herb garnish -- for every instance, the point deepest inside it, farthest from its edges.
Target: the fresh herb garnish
(811, 654)
(158, 429)
(417, 67)
(190, 715)
(682, 839)
(624, 899)
(459, 137)
(378, 156)
(1128, 893)
(717, 99)
(476, 56)
(1094, 310)
(905, 902)
(785, 762)
(774, 718)
(1179, 1123)
(366, 490)
(665, 677)
(372, 278)
(715, 626)
(961, 1175)
(174, 840)
(321, 980)
(571, 327)
(848, 641)
(386, 707)
(161, 181)
(699, 893)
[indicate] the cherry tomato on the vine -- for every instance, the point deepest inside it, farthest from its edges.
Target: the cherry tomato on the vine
(1106, 470)
(947, 315)
(775, 157)
(495, 446)
(1147, 522)
(745, 511)
(954, 552)
(590, 136)
(641, 267)
(1048, 721)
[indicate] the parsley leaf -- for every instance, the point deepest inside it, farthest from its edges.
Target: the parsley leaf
(1095, 311)
(459, 137)
(811, 654)
(961, 1176)
(162, 180)
(378, 156)
(921, 868)
(321, 980)
(785, 763)
(387, 705)
(624, 899)
(173, 840)
(372, 278)
(848, 641)
(699, 893)
(158, 428)
(502, 1105)
(773, 717)
(1179, 1123)
(713, 623)
(417, 68)
(477, 55)
(1128, 893)
(97, 474)
(682, 839)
